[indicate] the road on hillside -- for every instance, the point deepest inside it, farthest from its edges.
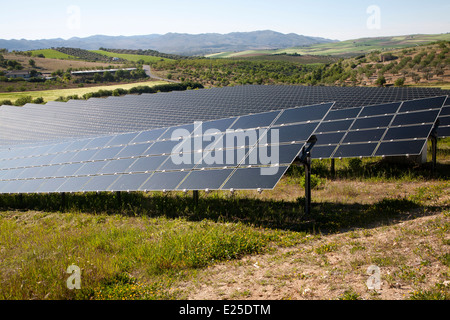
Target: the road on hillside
(149, 73)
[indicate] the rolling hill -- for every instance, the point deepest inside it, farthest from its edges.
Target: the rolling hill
(345, 48)
(176, 43)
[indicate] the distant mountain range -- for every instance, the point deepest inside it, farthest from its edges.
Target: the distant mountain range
(175, 43)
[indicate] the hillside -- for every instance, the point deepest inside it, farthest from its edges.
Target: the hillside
(366, 45)
(176, 43)
(51, 70)
(147, 59)
(419, 65)
(346, 48)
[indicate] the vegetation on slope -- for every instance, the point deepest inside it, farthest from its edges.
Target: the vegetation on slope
(426, 64)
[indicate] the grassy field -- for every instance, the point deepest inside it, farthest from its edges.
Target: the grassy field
(443, 86)
(241, 246)
(52, 54)
(131, 57)
(51, 95)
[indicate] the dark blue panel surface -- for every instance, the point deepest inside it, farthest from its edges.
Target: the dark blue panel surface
(254, 178)
(160, 181)
(416, 118)
(364, 135)
(304, 114)
(255, 121)
(355, 150)
(423, 104)
(323, 152)
(379, 110)
(205, 179)
(410, 132)
(129, 182)
(401, 148)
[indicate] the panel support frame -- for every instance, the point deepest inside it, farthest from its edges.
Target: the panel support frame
(195, 195)
(434, 142)
(305, 159)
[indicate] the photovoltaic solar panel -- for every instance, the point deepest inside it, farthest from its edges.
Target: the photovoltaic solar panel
(132, 113)
(125, 143)
(148, 160)
(392, 129)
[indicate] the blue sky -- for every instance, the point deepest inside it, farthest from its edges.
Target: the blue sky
(341, 20)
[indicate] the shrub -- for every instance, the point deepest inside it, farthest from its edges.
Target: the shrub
(316, 182)
(39, 100)
(355, 164)
(22, 101)
(6, 103)
(381, 81)
(400, 82)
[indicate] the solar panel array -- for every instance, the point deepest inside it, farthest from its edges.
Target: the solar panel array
(149, 160)
(393, 129)
(130, 113)
(128, 143)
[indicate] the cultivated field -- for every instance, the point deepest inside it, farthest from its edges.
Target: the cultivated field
(51, 95)
(49, 65)
(349, 47)
(131, 57)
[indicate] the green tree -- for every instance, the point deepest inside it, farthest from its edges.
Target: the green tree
(107, 76)
(381, 81)
(98, 77)
(400, 82)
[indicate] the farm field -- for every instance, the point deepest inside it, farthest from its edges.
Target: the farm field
(246, 246)
(49, 65)
(349, 47)
(51, 95)
(131, 57)
(51, 54)
(416, 66)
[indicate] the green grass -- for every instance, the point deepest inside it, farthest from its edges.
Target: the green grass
(131, 57)
(143, 246)
(52, 54)
(120, 257)
(51, 95)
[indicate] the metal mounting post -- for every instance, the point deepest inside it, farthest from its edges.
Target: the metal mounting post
(305, 159)
(63, 202)
(195, 196)
(119, 199)
(307, 165)
(434, 140)
(333, 168)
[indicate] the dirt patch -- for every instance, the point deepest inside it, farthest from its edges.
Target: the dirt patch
(335, 266)
(47, 65)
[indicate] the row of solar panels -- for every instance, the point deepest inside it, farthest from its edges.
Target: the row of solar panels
(149, 111)
(147, 160)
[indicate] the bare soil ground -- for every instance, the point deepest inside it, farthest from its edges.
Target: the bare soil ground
(304, 272)
(46, 65)
(408, 253)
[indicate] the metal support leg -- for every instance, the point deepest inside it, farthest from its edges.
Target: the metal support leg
(333, 168)
(307, 165)
(20, 205)
(63, 202)
(305, 159)
(196, 196)
(434, 152)
(119, 199)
